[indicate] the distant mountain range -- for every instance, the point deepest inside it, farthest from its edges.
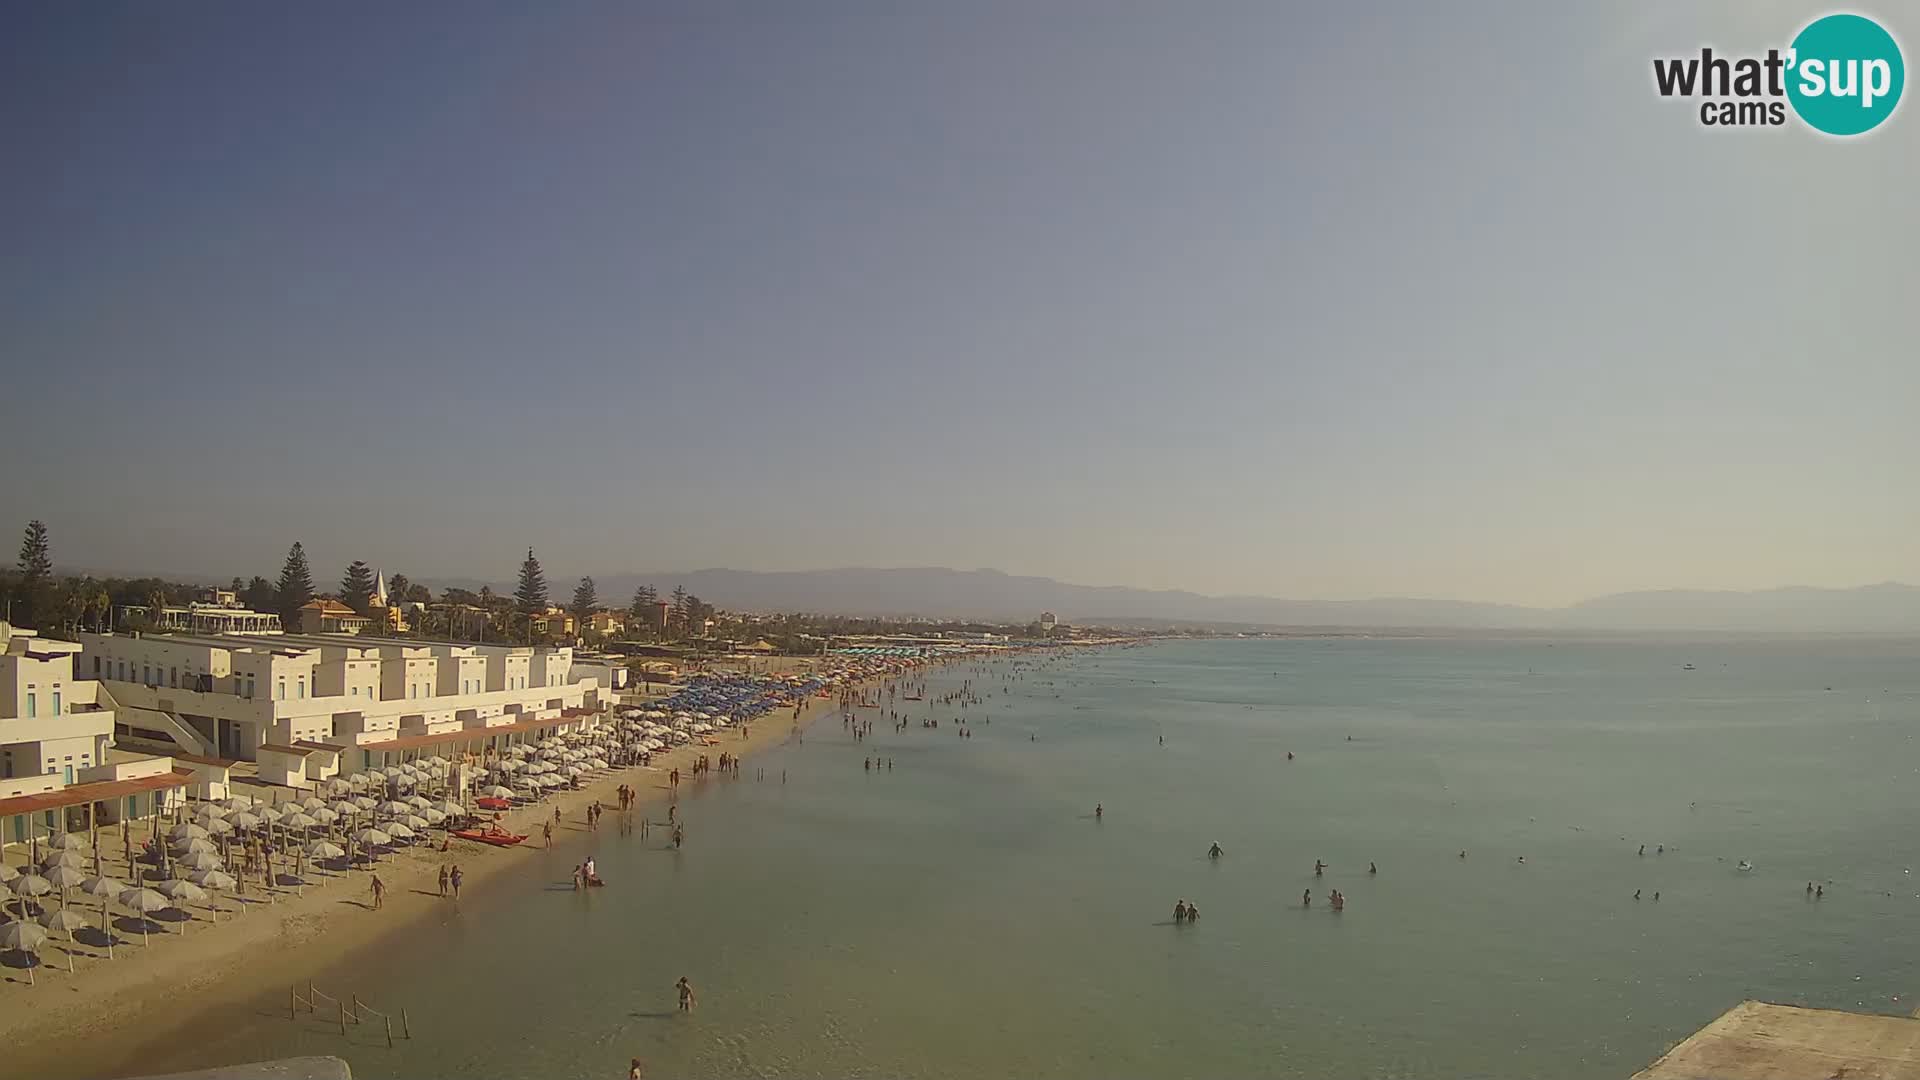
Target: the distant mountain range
(990, 594)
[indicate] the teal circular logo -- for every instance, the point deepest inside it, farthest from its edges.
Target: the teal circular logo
(1845, 74)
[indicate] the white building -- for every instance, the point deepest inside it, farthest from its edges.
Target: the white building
(58, 764)
(200, 618)
(228, 695)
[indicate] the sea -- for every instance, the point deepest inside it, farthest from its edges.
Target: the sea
(960, 911)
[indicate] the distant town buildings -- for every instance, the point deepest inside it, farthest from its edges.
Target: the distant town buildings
(325, 615)
(1048, 622)
(202, 618)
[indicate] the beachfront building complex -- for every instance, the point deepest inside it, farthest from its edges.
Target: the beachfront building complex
(59, 768)
(227, 696)
(199, 618)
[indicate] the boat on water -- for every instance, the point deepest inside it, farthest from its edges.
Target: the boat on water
(492, 834)
(1689, 667)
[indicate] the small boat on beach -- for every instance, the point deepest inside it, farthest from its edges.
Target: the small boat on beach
(492, 834)
(489, 803)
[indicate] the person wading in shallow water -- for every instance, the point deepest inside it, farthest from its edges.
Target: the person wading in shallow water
(685, 989)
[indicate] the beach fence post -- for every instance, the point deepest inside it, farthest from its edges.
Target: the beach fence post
(406, 1027)
(343, 1015)
(389, 1021)
(293, 1001)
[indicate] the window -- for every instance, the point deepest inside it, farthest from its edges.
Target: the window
(173, 677)
(56, 703)
(96, 667)
(280, 690)
(32, 706)
(300, 688)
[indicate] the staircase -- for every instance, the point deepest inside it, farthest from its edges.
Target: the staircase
(185, 738)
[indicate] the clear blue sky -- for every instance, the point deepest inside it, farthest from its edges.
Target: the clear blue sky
(1310, 300)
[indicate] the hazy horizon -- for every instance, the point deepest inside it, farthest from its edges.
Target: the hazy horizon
(1389, 301)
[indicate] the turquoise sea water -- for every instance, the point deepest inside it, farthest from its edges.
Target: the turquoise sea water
(965, 915)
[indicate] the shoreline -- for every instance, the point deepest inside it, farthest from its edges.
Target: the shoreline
(99, 1020)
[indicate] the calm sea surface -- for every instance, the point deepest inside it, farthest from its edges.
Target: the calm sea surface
(964, 915)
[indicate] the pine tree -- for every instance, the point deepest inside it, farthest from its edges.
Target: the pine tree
(531, 596)
(296, 584)
(356, 586)
(36, 555)
(585, 599)
(697, 614)
(258, 595)
(397, 589)
(644, 598)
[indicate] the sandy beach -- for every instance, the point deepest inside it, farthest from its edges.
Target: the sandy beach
(93, 1022)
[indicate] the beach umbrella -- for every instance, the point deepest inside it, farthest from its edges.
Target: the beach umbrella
(298, 820)
(7, 873)
(222, 826)
(24, 937)
(61, 920)
(574, 770)
(498, 792)
(393, 806)
(323, 815)
(312, 803)
(70, 841)
(187, 831)
(450, 808)
(209, 810)
(598, 763)
(239, 802)
(200, 860)
(320, 849)
(419, 802)
(346, 808)
(414, 822)
(64, 878)
(29, 885)
(181, 892)
(362, 802)
(245, 819)
(432, 815)
(269, 813)
(397, 830)
(64, 858)
(143, 901)
(103, 887)
(194, 846)
(211, 878)
(372, 837)
(358, 780)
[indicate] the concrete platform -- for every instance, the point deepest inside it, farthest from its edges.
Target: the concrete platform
(1757, 1041)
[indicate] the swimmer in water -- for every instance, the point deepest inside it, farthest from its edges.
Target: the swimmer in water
(1098, 810)
(1214, 852)
(1306, 898)
(1319, 868)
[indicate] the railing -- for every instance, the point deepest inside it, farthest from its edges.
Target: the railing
(345, 1010)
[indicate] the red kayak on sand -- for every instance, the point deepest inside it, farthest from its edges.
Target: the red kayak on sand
(494, 835)
(493, 804)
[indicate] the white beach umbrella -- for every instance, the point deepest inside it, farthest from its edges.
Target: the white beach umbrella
(70, 841)
(320, 849)
(181, 892)
(574, 770)
(24, 937)
(449, 808)
(245, 819)
(30, 885)
(200, 860)
(599, 763)
(323, 815)
(298, 820)
(346, 808)
(187, 831)
(209, 810)
(498, 792)
(359, 780)
(372, 837)
(144, 902)
(432, 816)
(212, 879)
(7, 873)
(393, 806)
(413, 821)
(103, 887)
(222, 826)
(419, 802)
(528, 784)
(397, 830)
(194, 845)
(64, 920)
(312, 803)
(269, 813)
(63, 858)
(65, 877)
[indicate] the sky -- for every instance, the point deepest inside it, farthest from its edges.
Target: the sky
(1314, 301)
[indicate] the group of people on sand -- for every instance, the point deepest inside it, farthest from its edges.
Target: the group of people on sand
(450, 878)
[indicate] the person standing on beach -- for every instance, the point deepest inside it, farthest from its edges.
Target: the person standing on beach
(685, 990)
(456, 878)
(443, 881)
(546, 832)
(677, 837)
(636, 1071)
(379, 892)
